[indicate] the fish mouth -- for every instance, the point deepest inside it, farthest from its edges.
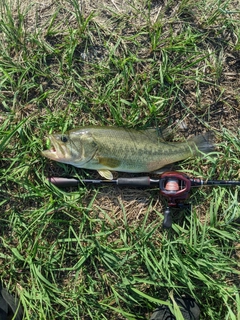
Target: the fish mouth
(56, 151)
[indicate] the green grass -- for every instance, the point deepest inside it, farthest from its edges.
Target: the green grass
(101, 253)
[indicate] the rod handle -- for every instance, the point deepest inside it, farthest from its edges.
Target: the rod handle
(134, 182)
(64, 182)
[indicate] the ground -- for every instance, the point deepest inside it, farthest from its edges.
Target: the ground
(102, 251)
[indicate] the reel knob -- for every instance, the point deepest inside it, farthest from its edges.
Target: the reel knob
(167, 222)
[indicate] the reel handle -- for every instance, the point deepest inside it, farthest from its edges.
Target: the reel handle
(167, 221)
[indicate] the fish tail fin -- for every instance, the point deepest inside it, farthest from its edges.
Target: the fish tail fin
(204, 142)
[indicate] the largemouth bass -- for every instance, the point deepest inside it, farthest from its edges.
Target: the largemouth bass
(107, 149)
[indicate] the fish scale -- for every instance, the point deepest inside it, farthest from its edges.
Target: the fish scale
(118, 149)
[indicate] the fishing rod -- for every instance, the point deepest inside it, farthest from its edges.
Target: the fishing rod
(173, 185)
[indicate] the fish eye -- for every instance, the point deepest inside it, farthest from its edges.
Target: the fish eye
(64, 139)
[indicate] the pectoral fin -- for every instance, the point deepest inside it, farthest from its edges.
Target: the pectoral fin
(109, 162)
(106, 174)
